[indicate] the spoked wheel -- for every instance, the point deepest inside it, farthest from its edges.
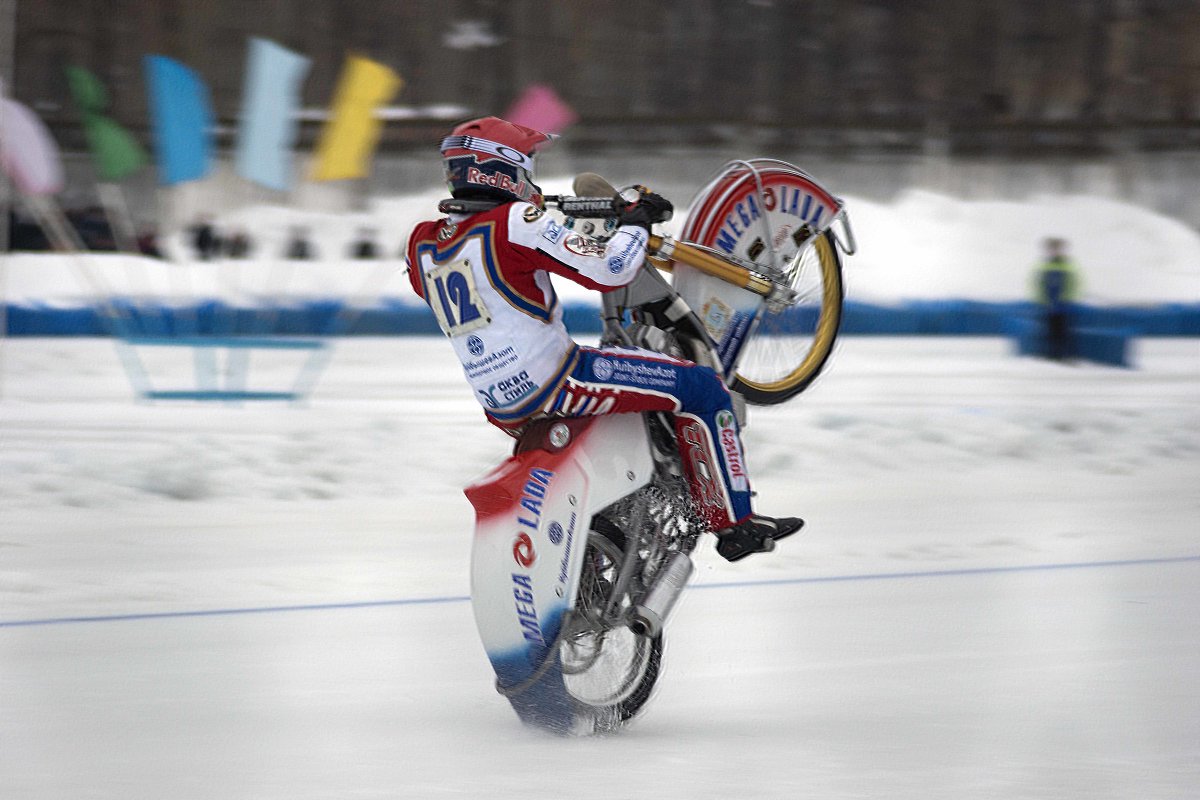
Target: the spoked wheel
(607, 668)
(775, 215)
(790, 347)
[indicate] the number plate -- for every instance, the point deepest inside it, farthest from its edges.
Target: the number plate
(455, 302)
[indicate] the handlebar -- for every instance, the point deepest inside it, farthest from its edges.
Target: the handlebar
(665, 249)
(593, 207)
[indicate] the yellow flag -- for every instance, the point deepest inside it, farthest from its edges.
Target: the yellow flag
(350, 135)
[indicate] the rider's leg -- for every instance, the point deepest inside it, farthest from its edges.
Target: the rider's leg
(711, 445)
(614, 381)
(739, 532)
(617, 381)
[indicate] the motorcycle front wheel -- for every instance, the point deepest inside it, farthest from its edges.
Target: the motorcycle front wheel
(791, 347)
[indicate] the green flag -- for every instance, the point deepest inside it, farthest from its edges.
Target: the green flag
(114, 150)
(87, 89)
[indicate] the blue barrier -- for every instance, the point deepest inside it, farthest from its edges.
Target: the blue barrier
(395, 318)
(1101, 345)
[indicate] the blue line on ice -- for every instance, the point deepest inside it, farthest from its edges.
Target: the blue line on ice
(414, 601)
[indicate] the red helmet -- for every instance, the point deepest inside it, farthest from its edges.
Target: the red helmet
(489, 157)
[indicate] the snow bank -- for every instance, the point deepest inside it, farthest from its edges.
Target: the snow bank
(924, 246)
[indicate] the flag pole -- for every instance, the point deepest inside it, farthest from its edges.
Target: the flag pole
(8, 19)
(120, 221)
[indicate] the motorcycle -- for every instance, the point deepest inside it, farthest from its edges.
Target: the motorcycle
(585, 536)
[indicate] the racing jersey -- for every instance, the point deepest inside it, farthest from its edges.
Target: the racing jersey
(485, 276)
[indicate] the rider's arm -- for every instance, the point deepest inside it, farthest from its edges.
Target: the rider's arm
(602, 266)
(412, 266)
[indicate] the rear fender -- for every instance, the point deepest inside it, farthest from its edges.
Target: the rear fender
(533, 513)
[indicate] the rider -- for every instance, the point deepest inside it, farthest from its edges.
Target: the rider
(483, 270)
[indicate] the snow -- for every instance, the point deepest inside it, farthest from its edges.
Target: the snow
(994, 596)
(929, 246)
(921, 246)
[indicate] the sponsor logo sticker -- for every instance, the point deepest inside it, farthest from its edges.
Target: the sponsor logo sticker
(525, 605)
(563, 574)
(523, 552)
(602, 368)
(706, 488)
(515, 387)
(735, 465)
(493, 362)
(716, 315)
(647, 374)
(637, 240)
(554, 232)
(497, 179)
(532, 496)
(584, 246)
(791, 201)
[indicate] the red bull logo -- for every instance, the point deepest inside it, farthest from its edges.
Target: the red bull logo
(497, 179)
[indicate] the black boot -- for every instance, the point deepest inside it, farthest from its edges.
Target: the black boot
(755, 534)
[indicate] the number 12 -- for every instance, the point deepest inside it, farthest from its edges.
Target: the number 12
(458, 308)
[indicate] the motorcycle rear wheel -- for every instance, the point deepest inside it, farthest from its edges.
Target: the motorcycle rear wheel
(790, 348)
(609, 671)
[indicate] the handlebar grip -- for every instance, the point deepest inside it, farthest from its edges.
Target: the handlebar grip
(588, 206)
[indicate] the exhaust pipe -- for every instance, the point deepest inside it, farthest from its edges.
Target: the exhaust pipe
(649, 616)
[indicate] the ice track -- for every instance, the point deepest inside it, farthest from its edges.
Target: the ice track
(994, 597)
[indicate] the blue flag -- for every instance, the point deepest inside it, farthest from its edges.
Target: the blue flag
(182, 120)
(270, 97)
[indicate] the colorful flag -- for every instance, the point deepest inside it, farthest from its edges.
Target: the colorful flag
(114, 150)
(350, 135)
(182, 120)
(27, 151)
(270, 98)
(540, 108)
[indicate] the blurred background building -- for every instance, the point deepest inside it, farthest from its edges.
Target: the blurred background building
(986, 97)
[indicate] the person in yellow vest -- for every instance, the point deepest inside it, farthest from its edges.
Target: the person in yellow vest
(1056, 289)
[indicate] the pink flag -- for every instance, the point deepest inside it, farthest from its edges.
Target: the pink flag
(540, 108)
(27, 152)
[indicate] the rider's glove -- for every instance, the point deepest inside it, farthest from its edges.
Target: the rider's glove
(648, 209)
